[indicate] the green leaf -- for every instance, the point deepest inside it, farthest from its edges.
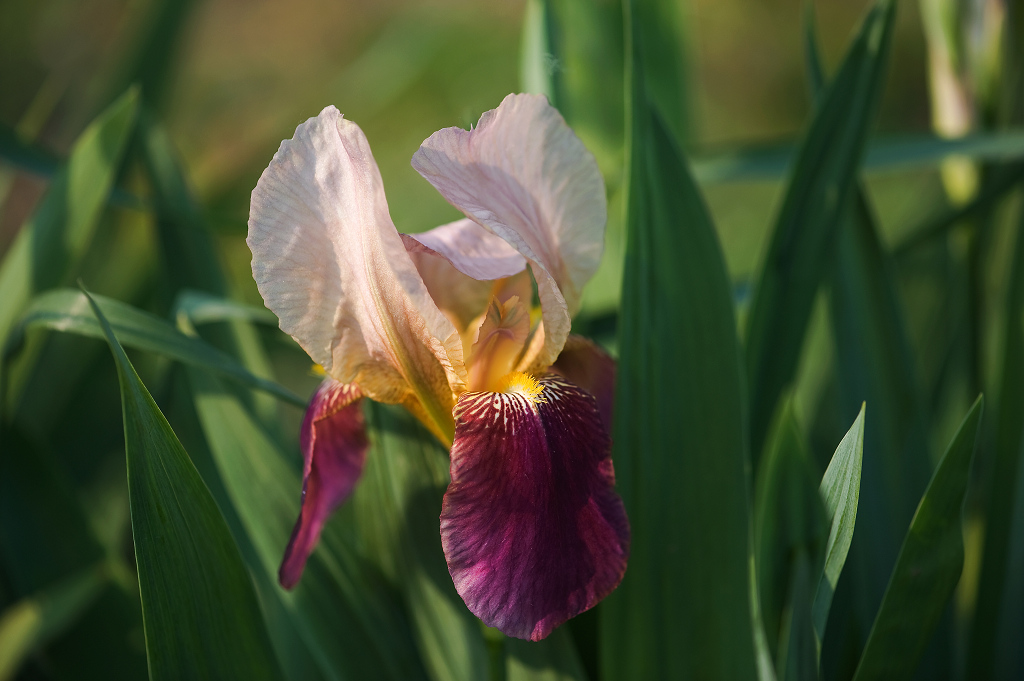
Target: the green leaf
(186, 247)
(553, 659)
(344, 611)
(815, 204)
(890, 154)
(679, 444)
(397, 503)
(204, 308)
(798, 650)
(47, 538)
(21, 154)
(67, 311)
(28, 624)
(997, 185)
(928, 566)
(538, 61)
(572, 51)
(49, 248)
(876, 365)
(199, 609)
(840, 490)
(790, 528)
(151, 64)
(997, 626)
(663, 50)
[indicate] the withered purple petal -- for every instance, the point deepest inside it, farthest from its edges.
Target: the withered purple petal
(334, 443)
(531, 526)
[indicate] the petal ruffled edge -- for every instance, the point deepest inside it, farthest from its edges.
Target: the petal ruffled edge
(524, 175)
(470, 249)
(334, 443)
(531, 526)
(329, 262)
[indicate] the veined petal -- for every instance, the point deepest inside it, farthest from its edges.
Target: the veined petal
(459, 263)
(329, 262)
(471, 249)
(531, 526)
(334, 444)
(584, 363)
(525, 176)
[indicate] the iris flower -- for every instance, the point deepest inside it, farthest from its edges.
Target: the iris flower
(444, 323)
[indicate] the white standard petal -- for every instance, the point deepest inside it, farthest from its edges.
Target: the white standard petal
(329, 262)
(526, 177)
(471, 249)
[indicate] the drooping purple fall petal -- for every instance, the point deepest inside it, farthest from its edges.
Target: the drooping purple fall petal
(531, 526)
(584, 363)
(334, 443)
(524, 175)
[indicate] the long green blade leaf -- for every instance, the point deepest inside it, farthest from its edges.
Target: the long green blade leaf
(199, 609)
(790, 529)
(883, 155)
(46, 538)
(679, 446)
(876, 364)
(553, 659)
(187, 249)
(928, 566)
(663, 51)
(398, 503)
(840, 490)
(812, 212)
(998, 626)
(343, 610)
(203, 308)
(67, 310)
(539, 70)
(48, 249)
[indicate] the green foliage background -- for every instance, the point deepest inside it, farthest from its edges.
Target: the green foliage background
(807, 291)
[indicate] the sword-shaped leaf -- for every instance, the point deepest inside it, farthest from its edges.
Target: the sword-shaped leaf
(199, 609)
(928, 566)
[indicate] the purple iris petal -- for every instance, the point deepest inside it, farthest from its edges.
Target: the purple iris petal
(334, 444)
(531, 526)
(584, 363)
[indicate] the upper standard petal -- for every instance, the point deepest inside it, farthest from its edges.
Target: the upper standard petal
(531, 526)
(329, 262)
(525, 176)
(461, 263)
(471, 249)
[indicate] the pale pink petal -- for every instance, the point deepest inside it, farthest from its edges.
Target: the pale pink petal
(471, 249)
(524, 175)
(329, 262)
(460, 297)
(459, 262)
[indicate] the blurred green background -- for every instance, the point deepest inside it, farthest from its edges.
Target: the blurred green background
(241, 76)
